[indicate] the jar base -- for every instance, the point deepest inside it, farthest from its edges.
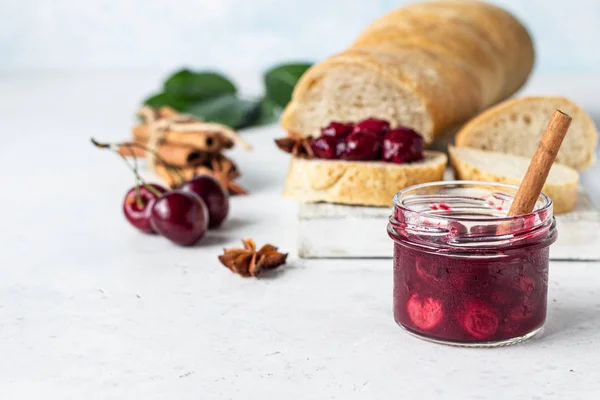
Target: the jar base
(501, 343)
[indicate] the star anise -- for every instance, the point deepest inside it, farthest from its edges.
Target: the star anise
(225, 171)
(247, 261)
(296, 145)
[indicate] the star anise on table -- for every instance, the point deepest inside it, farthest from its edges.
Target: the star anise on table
(247, 261)
(224, 170)
(296, 145)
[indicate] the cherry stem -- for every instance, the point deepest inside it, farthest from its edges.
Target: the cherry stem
(138, 179)
(155, 154)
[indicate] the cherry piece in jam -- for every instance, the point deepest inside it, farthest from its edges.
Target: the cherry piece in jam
(402, 145)
(374, 125)
(326, 147)
(137, 211)
(425, 312)
(362, 146)
(479, 319)
(337, 129)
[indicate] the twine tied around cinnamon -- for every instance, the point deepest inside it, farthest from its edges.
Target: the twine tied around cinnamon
(159, 123)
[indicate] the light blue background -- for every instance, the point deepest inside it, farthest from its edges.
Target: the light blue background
(246, 34)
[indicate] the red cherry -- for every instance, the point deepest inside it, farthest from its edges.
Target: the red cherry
(138, 215)
(523, 311)
(337, 129)
(374, 125)
(181, 217)
(479, 319)
(213, 194)
(430, 271)
(362, 146)
(501, 297)
(402, 145)
(327, 147)
(523, 283)
(425, 312)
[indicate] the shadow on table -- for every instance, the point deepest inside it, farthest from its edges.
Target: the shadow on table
(232, 224)
(213, 239)
(288, 267)
(571, 322)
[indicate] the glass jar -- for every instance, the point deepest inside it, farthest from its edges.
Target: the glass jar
(464, 273)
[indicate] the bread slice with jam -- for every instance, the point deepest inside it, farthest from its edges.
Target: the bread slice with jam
(366, 183)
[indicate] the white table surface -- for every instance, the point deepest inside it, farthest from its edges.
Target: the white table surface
(92, 309)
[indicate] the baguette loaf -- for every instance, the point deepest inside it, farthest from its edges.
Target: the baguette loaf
(472, 164)
(498, 28)
(517, 125)
(428, 66)
(358, 182)
(463, 44)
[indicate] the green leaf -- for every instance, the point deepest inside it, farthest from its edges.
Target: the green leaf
(227, 110)
(281, 80)
(167, 99)
(267, 112)
(198, 86)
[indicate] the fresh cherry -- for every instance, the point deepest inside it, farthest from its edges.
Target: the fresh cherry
(327, 147)
(337, 129)
(374, 125)
(180, 216)
(213, 194)
(138, 213)
(402, 145)
(362, 146)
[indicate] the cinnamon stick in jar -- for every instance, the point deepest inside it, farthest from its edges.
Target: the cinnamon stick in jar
(539, 167)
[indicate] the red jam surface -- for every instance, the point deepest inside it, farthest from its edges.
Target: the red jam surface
(368, 140)
(464, 273)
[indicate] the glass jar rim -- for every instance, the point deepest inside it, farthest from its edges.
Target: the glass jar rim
(455, 221)
(546, 205)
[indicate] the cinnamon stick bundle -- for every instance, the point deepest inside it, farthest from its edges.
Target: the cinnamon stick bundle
(173, 179)
(226, 176)
(187, 130)
(178, 156)
(181, 146)
(212, 142)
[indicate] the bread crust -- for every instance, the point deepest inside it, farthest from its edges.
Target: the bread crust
(497, 26)
(461, 43)
(358, 182)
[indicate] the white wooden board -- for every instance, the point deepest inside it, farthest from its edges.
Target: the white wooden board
(337, 231)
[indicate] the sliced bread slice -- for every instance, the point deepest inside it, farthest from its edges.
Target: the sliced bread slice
(358, 182)
(517, 125)
(472, 164)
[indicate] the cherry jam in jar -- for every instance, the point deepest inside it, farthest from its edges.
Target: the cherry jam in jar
(464, 273)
